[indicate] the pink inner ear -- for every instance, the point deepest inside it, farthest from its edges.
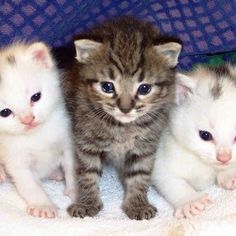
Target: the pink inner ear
(182, 92)
(43, 57)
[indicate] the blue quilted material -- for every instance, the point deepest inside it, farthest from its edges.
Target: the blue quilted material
(204, 26)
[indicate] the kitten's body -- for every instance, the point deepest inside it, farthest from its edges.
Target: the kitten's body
(36, 136)
(185, 163)
(119, 125)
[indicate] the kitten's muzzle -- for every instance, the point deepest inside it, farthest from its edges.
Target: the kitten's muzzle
(224, 158)
(27, 120)
(125, 104)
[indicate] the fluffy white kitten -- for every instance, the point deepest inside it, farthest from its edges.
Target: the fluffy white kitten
(198, 147)
(35, 133)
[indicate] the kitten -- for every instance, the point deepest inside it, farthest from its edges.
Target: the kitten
(198, 147)
(119, 93)
(35, 132)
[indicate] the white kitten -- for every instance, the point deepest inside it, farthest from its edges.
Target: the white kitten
(35, 133)
(198, 147)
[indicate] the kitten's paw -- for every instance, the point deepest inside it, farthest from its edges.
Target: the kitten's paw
(81, 210)
(56, 175)
(42, 211)
(145, 212)
(3, 176)
(226, 181)
(193, 208)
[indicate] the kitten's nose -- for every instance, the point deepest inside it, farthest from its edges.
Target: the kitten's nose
(224, 157)
(125, 104)
(27, 120)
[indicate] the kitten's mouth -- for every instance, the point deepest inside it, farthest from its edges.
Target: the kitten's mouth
(31, 126)
(126, 118)
(223, 165)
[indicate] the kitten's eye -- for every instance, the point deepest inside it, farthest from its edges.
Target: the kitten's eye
(107, 87)
(5, 112)
(144, 89)
(205, 135)
(35, 97)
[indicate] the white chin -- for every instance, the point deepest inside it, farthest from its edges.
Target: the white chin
(125, 120)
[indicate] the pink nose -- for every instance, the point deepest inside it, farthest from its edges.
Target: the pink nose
(224, 157)
(27, 120)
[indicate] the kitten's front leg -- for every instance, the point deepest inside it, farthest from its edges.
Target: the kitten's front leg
(38, 203)
(89, 170)
(179, 193)
(137, 171)
(68, 164)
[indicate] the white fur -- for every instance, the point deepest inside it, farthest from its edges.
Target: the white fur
(30, 154)
(185, 164)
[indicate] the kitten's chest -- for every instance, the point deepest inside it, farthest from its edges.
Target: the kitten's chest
(121, 144)
(47, 158)
(123, 141)
(202, 177)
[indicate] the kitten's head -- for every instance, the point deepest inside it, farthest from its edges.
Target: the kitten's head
(205, 122)
(28, 87)
(128, 68)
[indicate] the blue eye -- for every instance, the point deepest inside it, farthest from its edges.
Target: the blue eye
(107, 87)
(205, 135)
(5, 112)
(36, 97)
(144, 89)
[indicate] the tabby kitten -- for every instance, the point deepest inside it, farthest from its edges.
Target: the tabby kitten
(119, 93)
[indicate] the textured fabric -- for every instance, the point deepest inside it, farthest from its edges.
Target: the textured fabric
(218, 219)
(204, 26)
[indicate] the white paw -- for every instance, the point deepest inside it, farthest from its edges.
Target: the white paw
(227, 182)
(71, 193)
(42, 211)
(56, 175)
(193, 208)
(3, 176)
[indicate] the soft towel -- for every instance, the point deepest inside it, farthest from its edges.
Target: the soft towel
(218, 219)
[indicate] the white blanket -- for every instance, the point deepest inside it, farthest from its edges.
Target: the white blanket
(219, 219)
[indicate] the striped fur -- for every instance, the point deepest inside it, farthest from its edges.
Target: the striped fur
(127, 56)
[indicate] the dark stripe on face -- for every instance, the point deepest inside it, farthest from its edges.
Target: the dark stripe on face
(141, 76)
(111, 105)
(139, 65)
(111, 74)
(115, 63)
(164, 83)
(139, 108)
(130, 174)
(91, 81)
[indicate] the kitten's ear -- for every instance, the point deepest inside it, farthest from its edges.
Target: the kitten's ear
(40, 53)
(170, 51)
(84, 48)
(185, 86)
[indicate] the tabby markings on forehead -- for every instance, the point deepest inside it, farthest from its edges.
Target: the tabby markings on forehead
(11, 59)
(141, 76)
(216, 90)
(116, 62)
(223, 71)
(111, 74)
